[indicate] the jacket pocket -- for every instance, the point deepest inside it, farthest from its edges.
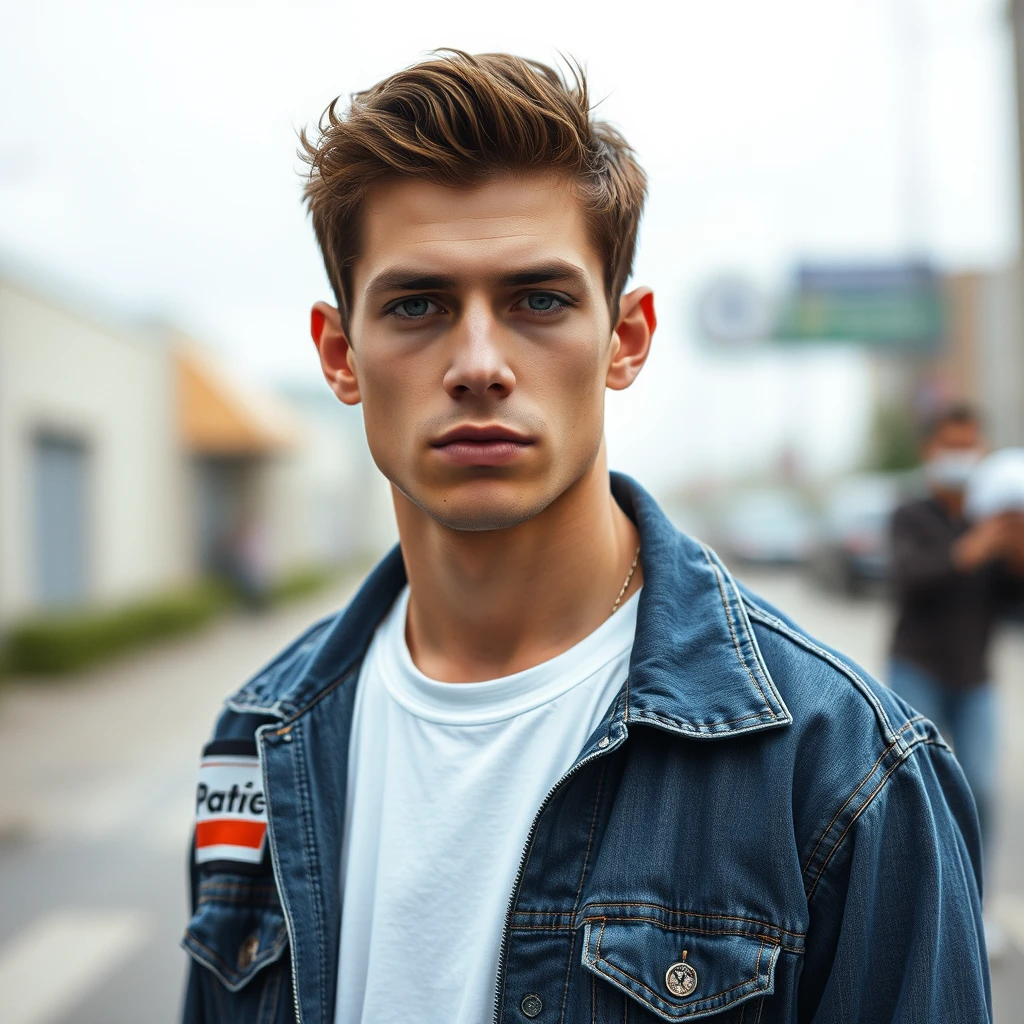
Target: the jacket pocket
(238, 929)
(680, 974)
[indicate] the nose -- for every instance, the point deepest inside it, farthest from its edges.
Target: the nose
(478, 364)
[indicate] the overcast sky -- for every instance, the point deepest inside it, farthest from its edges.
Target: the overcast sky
(147, 166)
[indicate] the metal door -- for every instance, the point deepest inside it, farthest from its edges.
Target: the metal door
(60, 469)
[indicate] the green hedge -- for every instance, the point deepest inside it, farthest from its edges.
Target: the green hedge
(65, 642)
(301, 582)
(69, 641)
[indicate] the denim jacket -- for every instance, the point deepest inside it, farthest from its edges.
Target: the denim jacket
(756, 832)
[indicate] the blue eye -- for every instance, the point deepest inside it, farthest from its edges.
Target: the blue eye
(544, 302)
(412, 309)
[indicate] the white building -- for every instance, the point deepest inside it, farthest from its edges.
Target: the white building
(132, 461)
(91, 474)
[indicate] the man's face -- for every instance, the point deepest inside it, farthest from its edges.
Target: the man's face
(480, 343)
(955, 436)
(951, 455)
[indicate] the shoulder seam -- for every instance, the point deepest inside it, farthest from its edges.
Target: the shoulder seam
(847, 815)
(250, 690)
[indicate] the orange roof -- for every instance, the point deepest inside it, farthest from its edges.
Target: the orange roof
(220, 415)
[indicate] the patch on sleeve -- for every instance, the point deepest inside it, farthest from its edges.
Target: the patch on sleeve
(231, 809)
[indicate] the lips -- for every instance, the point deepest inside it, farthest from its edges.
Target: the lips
(481, 445)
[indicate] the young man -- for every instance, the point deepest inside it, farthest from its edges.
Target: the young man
(952, 580)
(552, 763)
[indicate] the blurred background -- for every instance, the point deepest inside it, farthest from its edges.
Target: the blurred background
(833, 236)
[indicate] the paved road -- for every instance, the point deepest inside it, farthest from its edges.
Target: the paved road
(96, 807)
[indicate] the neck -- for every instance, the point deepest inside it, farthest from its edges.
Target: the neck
(485, 605)
(951, 501)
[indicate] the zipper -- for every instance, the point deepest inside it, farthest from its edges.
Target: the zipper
(499, 980)
(288, 923)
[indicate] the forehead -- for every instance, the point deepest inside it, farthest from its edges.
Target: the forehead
(473, 232)
(957, 434)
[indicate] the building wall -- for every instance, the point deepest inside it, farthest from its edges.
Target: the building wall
(113, 389)
(983, 358)
(1001, 359)
(325, 502)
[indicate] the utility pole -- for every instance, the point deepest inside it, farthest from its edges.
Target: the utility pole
(1016, 299)
(1016, 13)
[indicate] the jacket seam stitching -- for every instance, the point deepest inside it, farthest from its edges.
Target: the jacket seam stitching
(850, 798)
(773, 622)
(254, 968)
(732, 630)
(238, 900)
(860, 810)
(312, 859)
(352, 670)
(579, 888)
(696, 726)
(772, 941)
(684, 913)
(744, 620)
(598, 959)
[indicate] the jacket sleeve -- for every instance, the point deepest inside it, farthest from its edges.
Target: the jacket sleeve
(922, 558)
(895, 920)
(192, 1010)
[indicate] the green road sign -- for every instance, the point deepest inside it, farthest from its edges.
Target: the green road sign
(896, 306)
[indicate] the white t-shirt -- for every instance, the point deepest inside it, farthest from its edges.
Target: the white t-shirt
(444, 782)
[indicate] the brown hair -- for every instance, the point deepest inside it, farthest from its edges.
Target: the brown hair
(958, 413)
(456, 120)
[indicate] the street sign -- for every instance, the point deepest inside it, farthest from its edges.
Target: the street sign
(732, 312)
(897, 306)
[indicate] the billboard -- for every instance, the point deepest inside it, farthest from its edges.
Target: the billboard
(893, 306)
(900, 306)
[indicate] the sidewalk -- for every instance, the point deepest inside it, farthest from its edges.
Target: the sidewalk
(85, 750)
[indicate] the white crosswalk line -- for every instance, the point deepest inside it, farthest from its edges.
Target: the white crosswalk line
(47, 968)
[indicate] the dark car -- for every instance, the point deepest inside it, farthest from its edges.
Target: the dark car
(852, 548)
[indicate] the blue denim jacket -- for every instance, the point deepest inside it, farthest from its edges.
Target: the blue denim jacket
(752, 806)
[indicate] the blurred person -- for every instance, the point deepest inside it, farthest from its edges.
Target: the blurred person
(246, 562)
(552, 762)
(952, 579)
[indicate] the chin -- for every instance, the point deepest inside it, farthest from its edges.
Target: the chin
(482, 505)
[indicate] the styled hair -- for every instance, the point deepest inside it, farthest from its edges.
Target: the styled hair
(457, 120)
(959, 413)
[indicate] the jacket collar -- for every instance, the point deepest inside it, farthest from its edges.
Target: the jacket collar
(695, 667)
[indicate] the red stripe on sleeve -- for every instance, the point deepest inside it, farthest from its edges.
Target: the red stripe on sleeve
(230, 832)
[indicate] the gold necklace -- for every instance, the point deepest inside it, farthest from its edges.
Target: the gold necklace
(629, 576)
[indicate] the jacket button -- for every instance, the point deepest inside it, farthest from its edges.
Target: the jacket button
(531, 1004)
(247, 951)
(603, 742)
(681, 979)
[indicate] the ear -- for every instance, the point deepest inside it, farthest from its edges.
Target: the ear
(336, 355)
(631, 339)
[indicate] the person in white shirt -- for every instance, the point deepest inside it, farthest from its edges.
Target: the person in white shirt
(477, 332)
(553, 763)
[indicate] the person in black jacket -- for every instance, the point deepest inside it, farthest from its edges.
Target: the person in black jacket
(952, 579)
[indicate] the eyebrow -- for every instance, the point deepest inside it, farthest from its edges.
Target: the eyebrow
(410, 279)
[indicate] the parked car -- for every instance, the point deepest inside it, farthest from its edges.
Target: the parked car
(852, 546)
(769, 526)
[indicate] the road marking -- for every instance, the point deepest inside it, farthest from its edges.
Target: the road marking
(46, 969)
